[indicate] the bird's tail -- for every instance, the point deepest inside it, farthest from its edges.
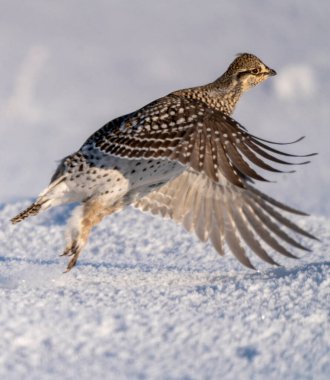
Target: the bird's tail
(34, 209)
(55, 194)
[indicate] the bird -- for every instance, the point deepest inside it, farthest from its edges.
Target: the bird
(185, 158)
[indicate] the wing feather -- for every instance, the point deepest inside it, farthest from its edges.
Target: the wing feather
(187, 131)
(249, 237)
(227, 215)
(264, 233)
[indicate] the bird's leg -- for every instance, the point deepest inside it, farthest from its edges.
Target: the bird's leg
(83, 219)
(73, 231)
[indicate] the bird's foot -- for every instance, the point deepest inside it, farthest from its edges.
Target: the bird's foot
(73, 250)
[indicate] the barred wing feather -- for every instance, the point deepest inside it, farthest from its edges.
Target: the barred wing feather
(187, 131)
(226, 214)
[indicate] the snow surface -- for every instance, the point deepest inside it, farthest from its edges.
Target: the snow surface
(147, 300)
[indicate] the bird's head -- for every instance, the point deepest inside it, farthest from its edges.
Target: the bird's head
(248, 71)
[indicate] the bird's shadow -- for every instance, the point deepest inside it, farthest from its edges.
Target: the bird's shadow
(270, 273)
(282, 272)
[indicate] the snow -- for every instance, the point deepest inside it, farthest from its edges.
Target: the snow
(136, 309)
(147, 300)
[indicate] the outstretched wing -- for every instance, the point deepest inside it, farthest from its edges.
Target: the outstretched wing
(226, 214)
(186, 131)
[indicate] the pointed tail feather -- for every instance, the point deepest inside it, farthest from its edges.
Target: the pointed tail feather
(55, 194)
(34, 209)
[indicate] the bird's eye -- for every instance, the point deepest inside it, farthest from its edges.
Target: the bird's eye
(255, 71)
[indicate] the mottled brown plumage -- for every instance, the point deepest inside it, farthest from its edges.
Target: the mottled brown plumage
(184, 157)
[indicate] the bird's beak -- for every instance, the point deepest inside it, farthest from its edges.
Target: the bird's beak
(271, 72)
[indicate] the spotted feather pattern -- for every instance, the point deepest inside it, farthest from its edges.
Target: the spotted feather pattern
(187, 131)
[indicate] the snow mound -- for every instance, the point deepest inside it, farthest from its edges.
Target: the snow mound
(148, 301)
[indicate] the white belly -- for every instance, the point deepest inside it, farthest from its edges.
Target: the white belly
(115, 178)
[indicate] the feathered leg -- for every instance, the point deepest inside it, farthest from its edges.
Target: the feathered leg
(83, 219)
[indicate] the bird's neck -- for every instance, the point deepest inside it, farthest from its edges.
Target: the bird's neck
(221, 94)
